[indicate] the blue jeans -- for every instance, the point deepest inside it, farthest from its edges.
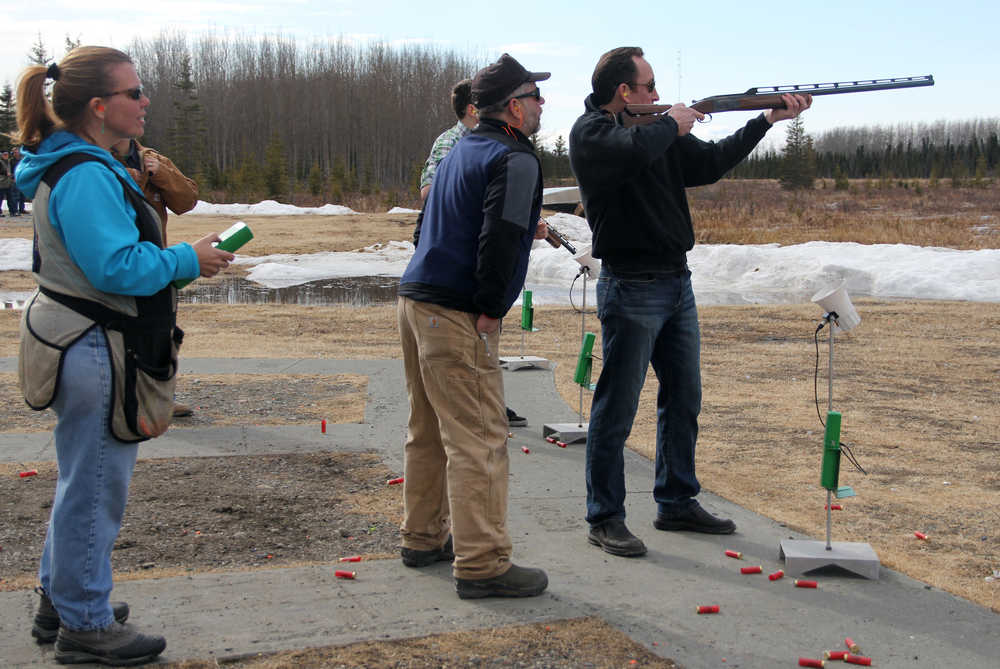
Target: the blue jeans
(94, 474)
(645, 318)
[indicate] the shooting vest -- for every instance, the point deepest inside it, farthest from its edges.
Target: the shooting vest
(141, 332)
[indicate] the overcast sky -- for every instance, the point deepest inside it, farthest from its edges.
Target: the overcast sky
(697, 49)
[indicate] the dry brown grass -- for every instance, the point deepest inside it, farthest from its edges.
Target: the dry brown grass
(761, 212)
(582, 642)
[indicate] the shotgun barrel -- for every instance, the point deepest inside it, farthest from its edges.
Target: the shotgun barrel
(769, 97)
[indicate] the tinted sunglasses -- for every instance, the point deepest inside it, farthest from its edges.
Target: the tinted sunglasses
(650, 85)
(132, 93)
(537, 93)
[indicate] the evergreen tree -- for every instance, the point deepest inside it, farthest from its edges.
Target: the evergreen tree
(315, 179)
(72, 43)
(8, 117)
(275, 169)
(798, 166)
(840, 181)
(38, 55)
(187, 134)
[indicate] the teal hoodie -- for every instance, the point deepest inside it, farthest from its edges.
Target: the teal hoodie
(97, 223)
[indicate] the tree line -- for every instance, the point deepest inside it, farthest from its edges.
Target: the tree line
(267, 116)
(957, 150)
(251, 117)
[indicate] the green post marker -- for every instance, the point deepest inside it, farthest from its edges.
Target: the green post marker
(831, 452)
(233, 238)
(527, 311)
(585, 362)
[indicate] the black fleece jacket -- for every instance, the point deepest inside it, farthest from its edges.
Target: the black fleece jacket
(632, 183)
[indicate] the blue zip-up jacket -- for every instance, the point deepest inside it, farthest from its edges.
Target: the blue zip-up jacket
(97, 223)
(478, 224)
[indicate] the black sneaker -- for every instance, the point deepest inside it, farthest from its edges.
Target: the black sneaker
(120, 645)
(613, 537)
(415, 558)
(694, 519)
(514, 420)
(515, 582)
(46, 627)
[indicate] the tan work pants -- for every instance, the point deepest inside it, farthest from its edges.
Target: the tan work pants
(456, 444)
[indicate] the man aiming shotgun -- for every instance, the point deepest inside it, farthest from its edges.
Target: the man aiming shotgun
(632, 182)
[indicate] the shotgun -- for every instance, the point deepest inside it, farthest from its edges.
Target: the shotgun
(769, 97)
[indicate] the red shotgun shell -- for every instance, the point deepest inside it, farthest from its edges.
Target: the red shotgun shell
(322, 426)
(353, 558)
(394, 481)
(340, 573)
(799, 583)
(551, 440)
(858, 659)
(835, 507)
(734, 554)
(851, 646)
(714, 608)
(920, 535)
(835, 654)
(751, 570)
(30, 472)
(525, 449)
(809, 662)
(776, 575)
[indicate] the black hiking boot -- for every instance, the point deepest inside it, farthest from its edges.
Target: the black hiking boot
(120, 645)
(415, 558)
(515, 582)
(46, 627)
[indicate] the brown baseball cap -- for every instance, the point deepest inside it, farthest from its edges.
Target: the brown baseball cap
(495, 82)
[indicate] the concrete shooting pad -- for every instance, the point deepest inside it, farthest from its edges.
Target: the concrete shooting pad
(898, 621)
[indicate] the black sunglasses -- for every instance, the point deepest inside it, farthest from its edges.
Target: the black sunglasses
(537, 93)
(650, 85)
(132, 93)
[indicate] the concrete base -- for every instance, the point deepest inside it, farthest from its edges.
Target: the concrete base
(803, 556)
(568, 433)
(515, 362)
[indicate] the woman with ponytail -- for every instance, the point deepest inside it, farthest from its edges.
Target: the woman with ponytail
(103, 275)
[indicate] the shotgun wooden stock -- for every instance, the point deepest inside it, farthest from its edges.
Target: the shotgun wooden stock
(769, 97)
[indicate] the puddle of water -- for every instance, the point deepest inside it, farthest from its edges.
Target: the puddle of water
(356, 291)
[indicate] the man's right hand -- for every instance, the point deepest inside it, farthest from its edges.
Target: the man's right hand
(210, 258)
(487, 325)
(685, 117)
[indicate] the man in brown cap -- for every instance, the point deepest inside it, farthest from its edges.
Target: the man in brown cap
(480, 219)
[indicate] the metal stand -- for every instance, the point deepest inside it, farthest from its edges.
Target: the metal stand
(516, 362)
(569, 433)
(802, 555)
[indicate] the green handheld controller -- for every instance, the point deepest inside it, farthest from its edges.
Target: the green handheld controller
(233, 238)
